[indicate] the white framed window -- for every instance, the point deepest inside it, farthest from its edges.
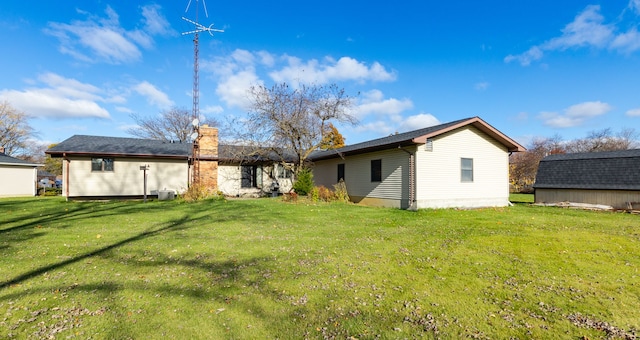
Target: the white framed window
(466, 169)
(101, 164)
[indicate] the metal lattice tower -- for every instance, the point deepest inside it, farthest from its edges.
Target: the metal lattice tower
(196, 83)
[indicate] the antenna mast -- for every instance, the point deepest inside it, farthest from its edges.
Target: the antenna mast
(196, 83)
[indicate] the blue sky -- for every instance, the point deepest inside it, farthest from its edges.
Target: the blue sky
(529, 68)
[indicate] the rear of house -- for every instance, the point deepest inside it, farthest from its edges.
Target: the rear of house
(115, 167)
(105, 167)
(460, 164)
(462, 168)
(102, 176)
(603, 178)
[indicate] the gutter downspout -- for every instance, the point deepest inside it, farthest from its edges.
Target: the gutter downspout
(66, 176)
(412, 180)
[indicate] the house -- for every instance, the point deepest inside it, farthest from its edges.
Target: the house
(115, 167)
(250, 171)
(609, 178)
(20, 177)
(464, 164)
(46, 179)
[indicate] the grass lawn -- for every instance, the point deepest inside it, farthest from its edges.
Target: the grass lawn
(521, 198)
(267, 269)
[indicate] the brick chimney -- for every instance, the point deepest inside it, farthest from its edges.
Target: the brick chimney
(1, 150)
(209, 156)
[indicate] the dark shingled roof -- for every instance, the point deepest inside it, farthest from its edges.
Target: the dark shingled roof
(135, 147)
(611, 170)
(8, 160)
(234, 153)
(416, 136)
(118, 146)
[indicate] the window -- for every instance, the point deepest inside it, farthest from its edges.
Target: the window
(376, 170)
(466, 169)
(251, 176)
(101, 164)
(284, 172)
(341, 172)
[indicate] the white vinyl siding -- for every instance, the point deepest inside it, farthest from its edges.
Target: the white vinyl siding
(466, 169)
(126, 179)
(19, 180)
(438, 175)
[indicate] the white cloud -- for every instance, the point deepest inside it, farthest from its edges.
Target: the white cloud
(153, 95)
(330, 70)
(59, 98)
(70, 87)
(242, 69)
(124, 109)
(634, 112)
(212, 109)
(154, 22)
(373, 102)
(381, 128)
(627, 42)
(45, 103)
(104, 39)
(233, 90)
(588, 29)
(635, 5)
(575, 115)
(525, 59)
(418, 121)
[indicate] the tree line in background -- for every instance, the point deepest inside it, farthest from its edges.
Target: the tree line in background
(523, 166)
(17, 139)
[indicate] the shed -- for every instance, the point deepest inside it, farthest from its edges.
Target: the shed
(20, 177)
(609, 178)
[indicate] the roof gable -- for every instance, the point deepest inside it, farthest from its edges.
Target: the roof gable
(419, 137)
(612, 170)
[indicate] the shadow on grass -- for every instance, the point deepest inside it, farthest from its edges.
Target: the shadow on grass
(67, 211)
(81, 211)
(170, 226)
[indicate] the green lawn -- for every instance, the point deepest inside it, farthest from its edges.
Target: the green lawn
(267, 269)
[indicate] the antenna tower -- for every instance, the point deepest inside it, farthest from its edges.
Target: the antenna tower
(196, 83)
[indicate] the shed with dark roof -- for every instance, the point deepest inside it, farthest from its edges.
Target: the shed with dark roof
(20, 177)
(463, 164)
(609, 178)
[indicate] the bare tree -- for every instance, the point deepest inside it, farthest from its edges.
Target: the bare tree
(295, 119)
(172, 124)
(15, 130)
(604, 140)
(523, 166)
